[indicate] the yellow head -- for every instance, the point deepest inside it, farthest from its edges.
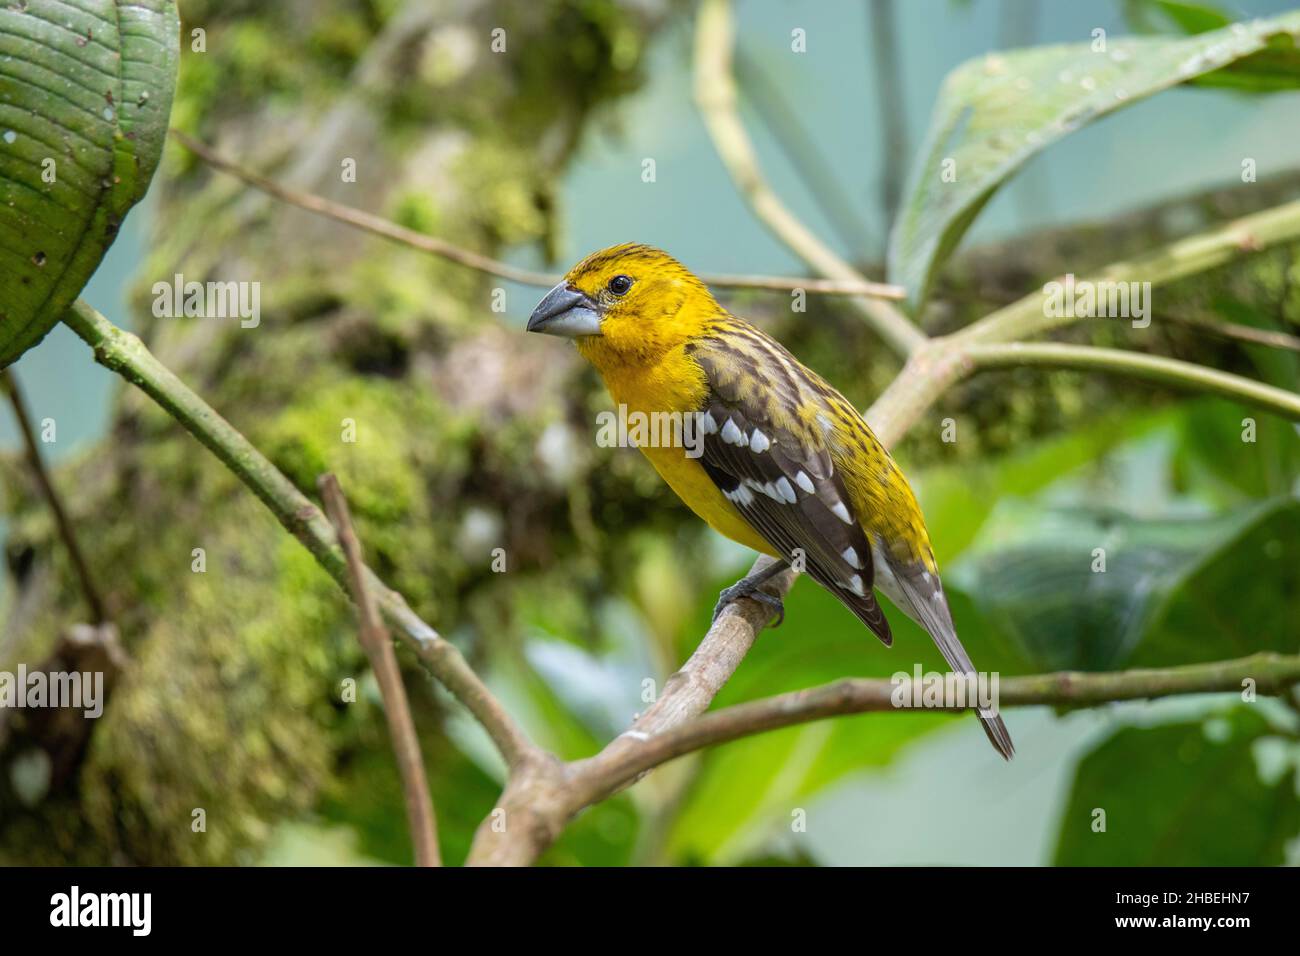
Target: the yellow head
(626, 304)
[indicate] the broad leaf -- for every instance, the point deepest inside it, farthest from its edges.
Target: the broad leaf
(996, 112)
(1171, 592)
(85, 93)
(1180, 795)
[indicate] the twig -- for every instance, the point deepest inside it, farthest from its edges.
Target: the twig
(1156, 368)
(715, 93)
(377, 225)
(1236, 331)
(397, 710)
(66, 532)
(126, 355)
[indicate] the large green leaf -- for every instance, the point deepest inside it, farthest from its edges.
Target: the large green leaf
(1172, 591)
(1180, 795)
(85, 92)
(996, 112)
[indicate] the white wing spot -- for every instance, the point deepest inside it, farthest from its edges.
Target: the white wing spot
(708, 424)
(786, 490)
(733, 435)
(804, 482)
(740, 495)
(851, 556)
(758, 442)
(854, 584)
(842, 512)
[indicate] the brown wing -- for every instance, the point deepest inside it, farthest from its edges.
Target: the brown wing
(778, 471)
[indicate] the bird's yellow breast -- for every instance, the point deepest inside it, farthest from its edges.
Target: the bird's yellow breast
(675, 383)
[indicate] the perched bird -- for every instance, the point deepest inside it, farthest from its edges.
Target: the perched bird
(788, 466)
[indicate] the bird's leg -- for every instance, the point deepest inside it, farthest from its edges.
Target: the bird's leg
(750, 587)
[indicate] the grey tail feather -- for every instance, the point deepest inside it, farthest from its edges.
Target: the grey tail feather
(926, 604)
(997, 733)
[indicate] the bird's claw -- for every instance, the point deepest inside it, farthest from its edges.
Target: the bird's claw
(745, 589)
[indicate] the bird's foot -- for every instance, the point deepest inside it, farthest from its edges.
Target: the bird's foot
(750, 587)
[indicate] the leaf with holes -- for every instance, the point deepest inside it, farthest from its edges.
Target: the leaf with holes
(85, 94)
(996, 112)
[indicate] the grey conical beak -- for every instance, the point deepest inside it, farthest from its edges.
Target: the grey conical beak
(565, 311)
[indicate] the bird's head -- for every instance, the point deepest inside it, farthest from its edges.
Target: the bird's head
(628, 303)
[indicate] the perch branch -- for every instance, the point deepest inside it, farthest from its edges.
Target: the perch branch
(715, 94)
(125, 354)
(551, 801)
(377, 225)
(397, 710)
(67, 533)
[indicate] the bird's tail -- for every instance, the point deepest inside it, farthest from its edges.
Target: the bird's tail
(919, 594)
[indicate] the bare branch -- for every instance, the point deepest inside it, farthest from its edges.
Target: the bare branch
(715, 93)
(126, 355)
(397, 710)
(61, 521)
(1272, 674)
(377, 225)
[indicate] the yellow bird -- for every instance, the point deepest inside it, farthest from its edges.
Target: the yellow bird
(788, 466)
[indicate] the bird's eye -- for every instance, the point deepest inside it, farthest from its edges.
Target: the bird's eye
(620, 284)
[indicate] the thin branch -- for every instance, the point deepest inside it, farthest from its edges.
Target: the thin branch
(1272, 674)
(1236, 331)
(802, 149)
(715, 94)
(1156, 368)
(377, 225)
(67, 533)
(125, 354)
(397, 710)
